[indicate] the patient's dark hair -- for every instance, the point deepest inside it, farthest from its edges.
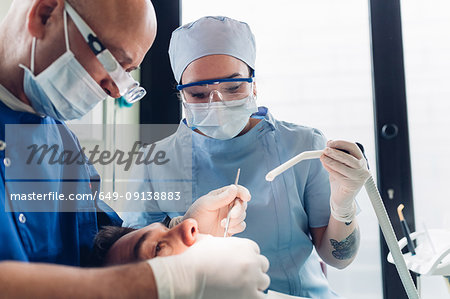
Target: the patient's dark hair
(104, 240)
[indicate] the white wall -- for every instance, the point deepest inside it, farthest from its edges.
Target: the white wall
(4, 5)
(426, 44)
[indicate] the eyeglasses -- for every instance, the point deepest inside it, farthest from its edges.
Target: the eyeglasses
(129, 89)
(225, 90)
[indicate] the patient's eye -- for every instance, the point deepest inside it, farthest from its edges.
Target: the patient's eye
(158, 248)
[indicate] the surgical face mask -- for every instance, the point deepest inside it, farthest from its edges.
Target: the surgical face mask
(64, 90)
(218, 120)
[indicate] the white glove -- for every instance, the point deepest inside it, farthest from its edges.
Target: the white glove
(220, 268)
(348, 173)
(211, 211)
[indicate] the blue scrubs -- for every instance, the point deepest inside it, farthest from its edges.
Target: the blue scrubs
(280, 213)
(52, 236)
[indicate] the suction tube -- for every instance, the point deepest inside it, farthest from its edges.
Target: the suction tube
(389, 234)
(380, 211)
(391, 239)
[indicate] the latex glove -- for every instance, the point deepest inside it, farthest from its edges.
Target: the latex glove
(213, 267)
(348, 173)
(211, 211)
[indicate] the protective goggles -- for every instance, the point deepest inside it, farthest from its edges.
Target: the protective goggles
(225, 90)
(129, 89)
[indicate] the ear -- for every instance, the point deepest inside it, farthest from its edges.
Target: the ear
(255, 90)
(40, 12)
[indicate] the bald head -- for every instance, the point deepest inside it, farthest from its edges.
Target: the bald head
(119, 22)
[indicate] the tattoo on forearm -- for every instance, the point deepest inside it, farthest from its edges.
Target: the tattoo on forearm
(346, 248)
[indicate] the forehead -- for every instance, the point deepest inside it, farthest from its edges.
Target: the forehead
(133, 237)
(213, 67)
(154, 227)
(123, 250)
(126, 30)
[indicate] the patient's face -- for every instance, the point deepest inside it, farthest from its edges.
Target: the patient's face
(152, 241)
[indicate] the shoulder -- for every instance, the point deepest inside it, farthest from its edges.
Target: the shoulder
(307, 138)
(168, 143)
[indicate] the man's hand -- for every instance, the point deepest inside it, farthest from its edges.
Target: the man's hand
(211, 211)
(213, 267)
(38, 280)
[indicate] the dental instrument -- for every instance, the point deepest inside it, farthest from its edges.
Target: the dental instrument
(405, 229)
(380, 211)
(231, 205)
(428, 262)
(285, 166)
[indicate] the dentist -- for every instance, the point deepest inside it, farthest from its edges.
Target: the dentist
(58, 60)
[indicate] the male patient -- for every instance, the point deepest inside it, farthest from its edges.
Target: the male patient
(115, 245)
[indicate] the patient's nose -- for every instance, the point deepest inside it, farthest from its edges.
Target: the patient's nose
(188, 230)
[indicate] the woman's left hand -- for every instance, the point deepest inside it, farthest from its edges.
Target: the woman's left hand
(348, 172)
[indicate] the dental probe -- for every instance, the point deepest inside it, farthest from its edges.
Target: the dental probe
(231, 205)
(381, 213)
(285, 166)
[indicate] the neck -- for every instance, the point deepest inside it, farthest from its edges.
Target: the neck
(251, 123)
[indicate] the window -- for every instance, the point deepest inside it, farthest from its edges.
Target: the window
(426, 41)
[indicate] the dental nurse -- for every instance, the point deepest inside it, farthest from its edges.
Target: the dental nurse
(309, 206)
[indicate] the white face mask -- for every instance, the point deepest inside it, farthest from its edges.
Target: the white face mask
(218, 120)
(64, 90)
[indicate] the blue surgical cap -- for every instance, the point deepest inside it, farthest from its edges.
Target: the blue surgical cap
(209, 36)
